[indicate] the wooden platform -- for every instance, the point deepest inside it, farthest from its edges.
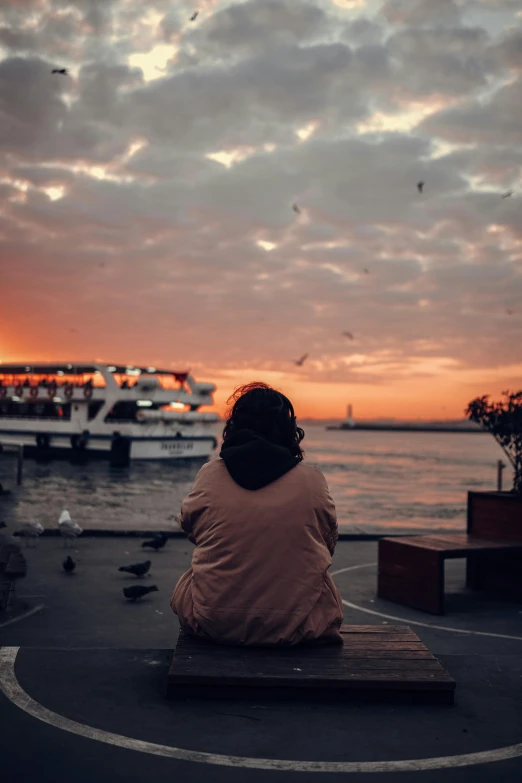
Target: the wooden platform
(375, 661)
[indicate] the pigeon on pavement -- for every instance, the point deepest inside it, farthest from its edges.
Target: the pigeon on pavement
(136, 592)
(158, 542)
(68, 565)
(138, 569)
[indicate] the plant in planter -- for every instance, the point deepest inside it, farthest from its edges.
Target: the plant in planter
(503, 420)
(497, 516)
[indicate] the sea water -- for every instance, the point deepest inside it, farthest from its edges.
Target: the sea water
(380, 481)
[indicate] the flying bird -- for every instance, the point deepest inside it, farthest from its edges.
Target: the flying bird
(508, 194)
(158, 542)
(348, 334)
(302, 360)
(510, 312)
(194, 16)
(30, 530)
(62, 71)
(68, 528)
(2, 524)
(366, 271)
(296, 209)
(68, 565)
(136, 592)
(420, 185)
(138, 569)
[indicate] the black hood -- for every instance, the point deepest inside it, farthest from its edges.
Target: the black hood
(253, 462)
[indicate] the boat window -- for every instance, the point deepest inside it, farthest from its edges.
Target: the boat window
(94, 408)
(122, 411)
(42, 409)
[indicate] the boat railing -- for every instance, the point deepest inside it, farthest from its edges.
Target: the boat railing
(158, 421)
(33, 418)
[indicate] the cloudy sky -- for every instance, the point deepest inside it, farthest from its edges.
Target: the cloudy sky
(146, 197)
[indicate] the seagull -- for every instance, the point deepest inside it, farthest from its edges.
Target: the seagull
(194, 16)
(301, 361)
(508, 194)
(30, 530)
(68, 528)
(62, 71)
(296, 209)
(138, 569)
(158, 542)
(68, 565)
(138, 591)
(420, 185)
(348, 334)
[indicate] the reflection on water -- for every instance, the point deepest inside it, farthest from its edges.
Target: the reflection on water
(402, 480)
(146, 495)
(379, 480)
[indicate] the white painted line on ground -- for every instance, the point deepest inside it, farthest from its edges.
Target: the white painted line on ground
(407, 620)
(351, 568)
(22, 616)
(12, 689)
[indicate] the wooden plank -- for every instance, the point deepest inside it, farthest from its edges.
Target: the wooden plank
(420, 542)
(458, 543)
(306, 669)
(361, 629)
(425, 670)
(377, 664)
(352, 654)
(308, 652)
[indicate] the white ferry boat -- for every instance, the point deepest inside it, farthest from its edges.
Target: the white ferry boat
(119, 412)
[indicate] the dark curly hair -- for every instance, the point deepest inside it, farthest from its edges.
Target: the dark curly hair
(268, 413)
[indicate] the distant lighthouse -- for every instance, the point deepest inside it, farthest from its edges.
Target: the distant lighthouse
(349, 421)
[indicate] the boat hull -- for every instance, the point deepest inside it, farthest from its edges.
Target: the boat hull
(100, 447)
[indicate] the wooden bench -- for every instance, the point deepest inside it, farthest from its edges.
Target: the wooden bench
(374, 661)
(411, 569)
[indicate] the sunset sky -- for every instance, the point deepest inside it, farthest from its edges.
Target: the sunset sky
(146, 197)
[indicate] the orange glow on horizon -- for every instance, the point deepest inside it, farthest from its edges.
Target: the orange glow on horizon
(442, 396)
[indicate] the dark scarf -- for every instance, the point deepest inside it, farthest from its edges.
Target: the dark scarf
(253, 462)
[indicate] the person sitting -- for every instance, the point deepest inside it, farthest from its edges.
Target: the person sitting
(265, 530)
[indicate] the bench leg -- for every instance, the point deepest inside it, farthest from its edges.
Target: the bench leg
(495, 571)
(411, 576)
